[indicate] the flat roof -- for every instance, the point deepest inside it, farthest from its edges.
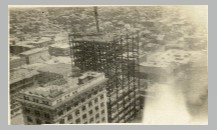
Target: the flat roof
(155, 64)
(60, 45)
(95, 38)
(61, 68)
(21, 73)
(54, 91)
(14, 57)
(172, 56)
(59, 59)
(33, 51)
(41, 40)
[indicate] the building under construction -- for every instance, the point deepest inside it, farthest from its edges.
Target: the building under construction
(118, 58)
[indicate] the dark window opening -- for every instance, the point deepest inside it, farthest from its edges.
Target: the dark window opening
(38, 121)
(47, 116)
(91, 112)
(60, 113)
(77, 112)
(62, 121)
(29, 119)
(69, 117)
(78, 121)
(96, 108)
(37, 113)
(90, 104)
(83, 108)
(84, 116)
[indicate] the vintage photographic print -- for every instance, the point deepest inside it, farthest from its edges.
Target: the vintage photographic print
(133, 65)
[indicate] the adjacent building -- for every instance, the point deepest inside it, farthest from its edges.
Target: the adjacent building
(41, 42)
(20, 79)
(19, 47)
(80, 101)
(59, 50)
(52, 72)
(35, 55)
(16, 61)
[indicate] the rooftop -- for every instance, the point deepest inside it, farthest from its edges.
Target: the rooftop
(172, 56)
(61, 68)
(57, 38)
(95, 38)
(58, 45)
(54, 91)
(155, 64)
(41, 40)
(33, 51)
(20, 74)
(59, 59)
(14, 57)
(23, 44)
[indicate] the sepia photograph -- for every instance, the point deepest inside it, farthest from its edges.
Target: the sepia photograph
(106, 65)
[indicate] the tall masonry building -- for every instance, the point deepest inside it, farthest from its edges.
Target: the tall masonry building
(80, 101)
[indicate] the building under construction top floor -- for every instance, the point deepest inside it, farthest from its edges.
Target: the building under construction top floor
(118, 58)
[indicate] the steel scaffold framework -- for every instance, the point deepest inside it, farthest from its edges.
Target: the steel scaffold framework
(118, 58)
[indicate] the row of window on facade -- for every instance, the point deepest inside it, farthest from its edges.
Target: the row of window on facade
(90, 104)
(83, 99)
(69, 117)
(37, 121)
(84, 108)
(84, 117)
(36, 100)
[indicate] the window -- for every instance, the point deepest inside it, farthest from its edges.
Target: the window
(38, 121)
(35, 100)
(46, 115)
(29, 119)
(76, 104)
(78, 121)
(103, 119)
(68, 108)
(101, 88)
(45, 102)
(90, 104)
(59, 100)
(82, 100)
(96, 100)
(47, 122)
(103, 111)
(60, 113)
(37, 113)
(89, 95)
(27, 110)
(77, 112)
(96, 108)
(91, 112)
(102, 104)
(62, 121)
(84, 116)
(26, 98)
(67, 96)
(91, 120)
(95, 92)
(69, 117)
(97, 115)
(83, 108)
(102, 96)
